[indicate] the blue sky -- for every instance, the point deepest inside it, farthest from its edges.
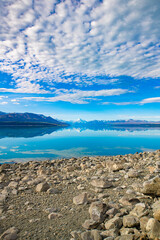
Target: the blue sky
(96, 59)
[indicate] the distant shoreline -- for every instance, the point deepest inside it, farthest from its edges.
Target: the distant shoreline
(30, 124)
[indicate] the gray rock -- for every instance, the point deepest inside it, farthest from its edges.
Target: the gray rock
(100, 183)
(53, 191)
(130, 221)
(143, 223)
(110, 233)
(109, 238)
(153, 228)
(126, 231)
(97, 211)
(35, 181)
(87, 236)
(152, 187)
(156, 206)
(91, 235)
(76, 235)
(42, 187)
(132, 174)
(3, 198)
(10, 234)
(13, 184)
(126, 237)
(156, 215)
(112, 212)
(90, 224)
(115, 222)
(96, 234)
(113, 166)
(54, 215)
(50, 210)
(139, 210)
(80, 199)
(128, 201)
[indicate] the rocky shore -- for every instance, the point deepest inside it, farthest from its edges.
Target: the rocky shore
(88, 198)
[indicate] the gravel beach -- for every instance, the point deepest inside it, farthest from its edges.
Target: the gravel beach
(88, 198)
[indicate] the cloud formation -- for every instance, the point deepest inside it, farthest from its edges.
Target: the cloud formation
(144, 101)
(78, 96)
(151, 100)
(25, 86)
(45, 40)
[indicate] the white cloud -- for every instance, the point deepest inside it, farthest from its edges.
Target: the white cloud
(78, 96)
(3, 103)
(120, 103)
(25, 87)
(144, 101)
(2, 97)
(151, 100)
(15, 101)
(46, 40)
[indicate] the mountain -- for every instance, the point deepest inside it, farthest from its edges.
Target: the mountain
(102, 124)
(28, 119)
(2, 113)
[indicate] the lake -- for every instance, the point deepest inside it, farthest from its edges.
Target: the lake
(31, 143)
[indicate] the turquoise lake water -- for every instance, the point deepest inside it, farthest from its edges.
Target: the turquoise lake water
(23, 144)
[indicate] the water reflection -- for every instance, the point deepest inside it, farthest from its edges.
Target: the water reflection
(39, 143)
(29, 132)
(26, 132)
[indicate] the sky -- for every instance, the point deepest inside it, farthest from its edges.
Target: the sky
(89, 59)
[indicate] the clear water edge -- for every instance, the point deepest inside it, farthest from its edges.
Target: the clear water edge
(65, 143)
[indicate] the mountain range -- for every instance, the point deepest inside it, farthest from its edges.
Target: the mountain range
(102, 124)
(28, 119)
(32, 119)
